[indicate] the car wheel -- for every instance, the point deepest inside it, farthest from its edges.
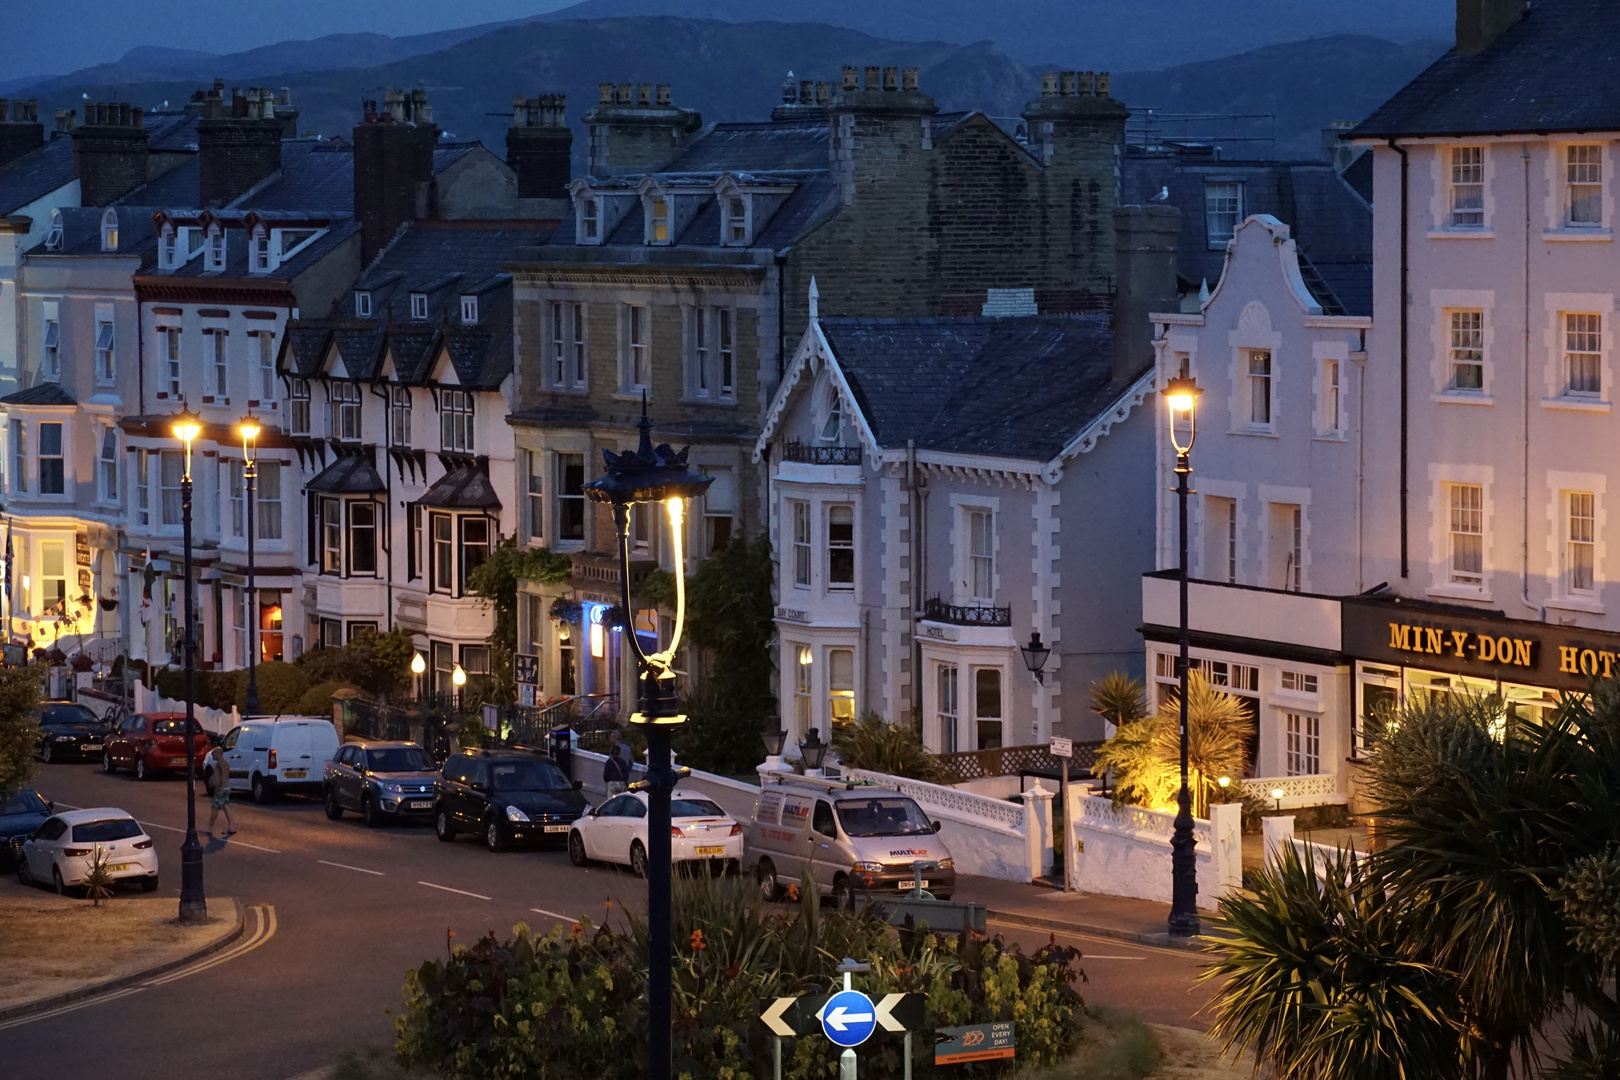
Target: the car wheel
(442, 827)
(576, 849)
(638, 859)
(46, 754)
(56, 881)
(149, 884)
(140, 769)
(334, 809)
(24, 877)
(107, 765)
(843, 894)
(494, 838)
(765, 878)
(369, 813)
(263, 788)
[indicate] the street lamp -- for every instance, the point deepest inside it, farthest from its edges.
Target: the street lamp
(653, 474)
(249, 429)
(418, 666)
(813, 751)
(193, 903)
(1035, 654)
(1181, 395)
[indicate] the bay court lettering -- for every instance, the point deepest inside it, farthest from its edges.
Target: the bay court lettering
(1464, 645)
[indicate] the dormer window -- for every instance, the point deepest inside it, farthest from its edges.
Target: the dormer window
(590, 220)
(109, 231)
(53, 239)
(418, 305)
(658, 220)
(216, 249)
(469, 310)
(166, 249)
(736, 227)
(289, 242)
(362, 304)
(261, 251)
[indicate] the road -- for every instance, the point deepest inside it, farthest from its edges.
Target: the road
(341, 912)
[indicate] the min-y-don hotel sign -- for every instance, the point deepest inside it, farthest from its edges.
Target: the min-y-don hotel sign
(1513, 650)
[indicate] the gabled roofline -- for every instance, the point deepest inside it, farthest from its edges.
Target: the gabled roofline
(813, 343)
(1100, 425)
(1287, 258)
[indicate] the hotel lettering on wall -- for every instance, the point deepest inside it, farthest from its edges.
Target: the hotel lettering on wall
(1513, 650)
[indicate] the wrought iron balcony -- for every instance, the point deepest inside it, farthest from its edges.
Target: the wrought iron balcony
(821, 455)
(937, 610)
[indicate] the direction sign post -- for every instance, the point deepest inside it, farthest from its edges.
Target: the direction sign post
(903, 1012)
(1063, 750)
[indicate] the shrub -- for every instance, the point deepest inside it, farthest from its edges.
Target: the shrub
(895, 749)
(335, 664)
(317, 700)
(19, 729)
(281, 686)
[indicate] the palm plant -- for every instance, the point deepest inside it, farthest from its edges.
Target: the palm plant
(894, 749)
(99, 881)
(1146, 756)
(1118, 698)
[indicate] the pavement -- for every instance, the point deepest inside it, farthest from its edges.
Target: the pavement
(338, 912)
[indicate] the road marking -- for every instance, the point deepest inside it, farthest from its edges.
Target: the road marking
(446, 888)
(356, 869)
(1104, 956)
(231, 842)
(264, 916)
(556, 915)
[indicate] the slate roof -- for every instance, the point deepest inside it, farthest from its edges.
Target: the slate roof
(81, 232)
(348, 476)
(465, 487)
(809, 199)
(45, 393)
(338, 231)
(1014, 388)
(177, 187)
(315, 175)
(34, 176)
(1551, 71)
(756, 146)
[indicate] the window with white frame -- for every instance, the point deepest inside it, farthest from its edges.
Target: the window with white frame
(832, 413)
(238, 489)
(535, 492)
(719, 510)
(981, 554)
(52, 466)
(106, 366)
(53, 237)
(50, 344)
(699, 376)
(726, 335)
(214, 344)
(1580, 562)
(1330, 405)
(1466, 534)
(265, 351)
(1583, 354)
(799, 515)
(577, 325)
(1220, 539)
(215, 259)
(590, 220)
(399, 416)
(419, 307)
(259, 255)
(946, 708)
(658, 231)
(1298, 682)
(571, 497)
(267, 492)
(840, 687)
(19, 455)
(1258, 373)
(298, 406)
(331, 536)
(1223, 209)
(345, 410)
(362, 304)
(1466, 188)
(109, 464)
(469, 310)
(476, 544)
(1466, 350)
(803, 688)
(171, 467)
(1284, 545)
(171, 357)
(736, 226)
(456, 421)
(53, 577)
(109, 231)
(558, 323)
(1304, 744)
(840, 546)
(143, 493)
(643, 529)
(635, 372)
(442, 557)
(362, 537)
(168, 257)
(1583, 185)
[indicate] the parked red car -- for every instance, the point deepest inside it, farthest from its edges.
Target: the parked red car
(152, 743)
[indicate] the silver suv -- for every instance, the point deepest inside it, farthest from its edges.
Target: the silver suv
(380, 781)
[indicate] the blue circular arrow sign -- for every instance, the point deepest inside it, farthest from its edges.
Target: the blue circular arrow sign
(848, 1018)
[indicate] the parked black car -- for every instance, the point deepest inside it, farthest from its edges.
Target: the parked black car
(505, 796)
(379, 781)
(70, 732)
(20, 814)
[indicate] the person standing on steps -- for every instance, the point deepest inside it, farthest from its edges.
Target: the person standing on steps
(219, 791)
(616, 769)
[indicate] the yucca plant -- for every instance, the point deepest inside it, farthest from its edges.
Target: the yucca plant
(1118, 698)
(895, 749)
(98, 882)
(1145, 756)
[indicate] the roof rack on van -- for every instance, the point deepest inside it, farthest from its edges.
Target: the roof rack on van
(828, 782)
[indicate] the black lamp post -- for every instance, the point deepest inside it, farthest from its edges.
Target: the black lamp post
(1035, 654)
(773, 742)
(653, 474)
(193, 903)
(250, 475)
(813, 751)
(1182, 396)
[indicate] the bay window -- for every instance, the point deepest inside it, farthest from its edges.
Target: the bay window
(52, 471)
(362, 538)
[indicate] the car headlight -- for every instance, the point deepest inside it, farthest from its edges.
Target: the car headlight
(869, 868)
(64, 738)
(514, 814)
(947, 864)
(390, 787)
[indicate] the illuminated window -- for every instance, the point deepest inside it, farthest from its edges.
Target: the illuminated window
(1467, 188)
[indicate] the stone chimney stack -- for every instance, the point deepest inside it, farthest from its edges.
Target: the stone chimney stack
(20, 130)
(393, 166)
(1480, 22)
(881, 124)
(635, 129)
(1145, 242)
(538, 146)
(109, 152)
(1075, 118)
(238, 142)
(802, 99)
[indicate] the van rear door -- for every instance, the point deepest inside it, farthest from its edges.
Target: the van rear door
(295, 750)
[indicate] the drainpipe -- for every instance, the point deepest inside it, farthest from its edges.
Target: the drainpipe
(1405, 306)
(1361, 460)
(913, 496)
(1524, 553)
(781, 316)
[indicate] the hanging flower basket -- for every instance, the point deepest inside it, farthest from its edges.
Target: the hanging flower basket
(564, 610)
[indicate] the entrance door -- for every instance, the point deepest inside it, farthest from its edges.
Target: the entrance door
(1378, 696)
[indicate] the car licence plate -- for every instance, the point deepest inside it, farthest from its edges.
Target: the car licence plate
(118, 868)
(295, 774)
(91, 746)
(556, 828)
(711, 851)
(907, 886)
(421, 804)
(177, 761)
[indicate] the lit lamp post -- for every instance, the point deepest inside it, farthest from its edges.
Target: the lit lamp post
(458, 678)
(193, 904)
(418, 666)
(653, 474)
(1182, 396)
(249, 429)
(773, 750)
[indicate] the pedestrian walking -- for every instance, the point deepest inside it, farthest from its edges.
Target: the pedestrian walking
(219, 791)
(616, 769)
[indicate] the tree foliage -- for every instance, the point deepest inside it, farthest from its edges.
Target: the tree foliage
(19, 727)
(1145, 755)
(494, 582)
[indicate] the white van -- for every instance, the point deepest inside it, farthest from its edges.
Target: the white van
(271, 755)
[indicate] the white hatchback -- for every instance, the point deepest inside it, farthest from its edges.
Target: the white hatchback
(616, 832)
(63, 851)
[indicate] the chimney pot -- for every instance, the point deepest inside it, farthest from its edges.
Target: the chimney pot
(1049, 84)
(851, 79)
(1066, 86)
(661, 95)
(807, 92)
(627, 93)
(823, 92)
(1102, 84)
(874, 79)
(604, 93)
(790, 90)
(644, 94)
(891, 78)
(908, 78)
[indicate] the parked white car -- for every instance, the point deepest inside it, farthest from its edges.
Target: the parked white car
(62, 851)
(270, 756)
(616, 832)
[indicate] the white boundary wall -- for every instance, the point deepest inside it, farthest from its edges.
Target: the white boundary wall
(1125, 850)
(988, 837)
